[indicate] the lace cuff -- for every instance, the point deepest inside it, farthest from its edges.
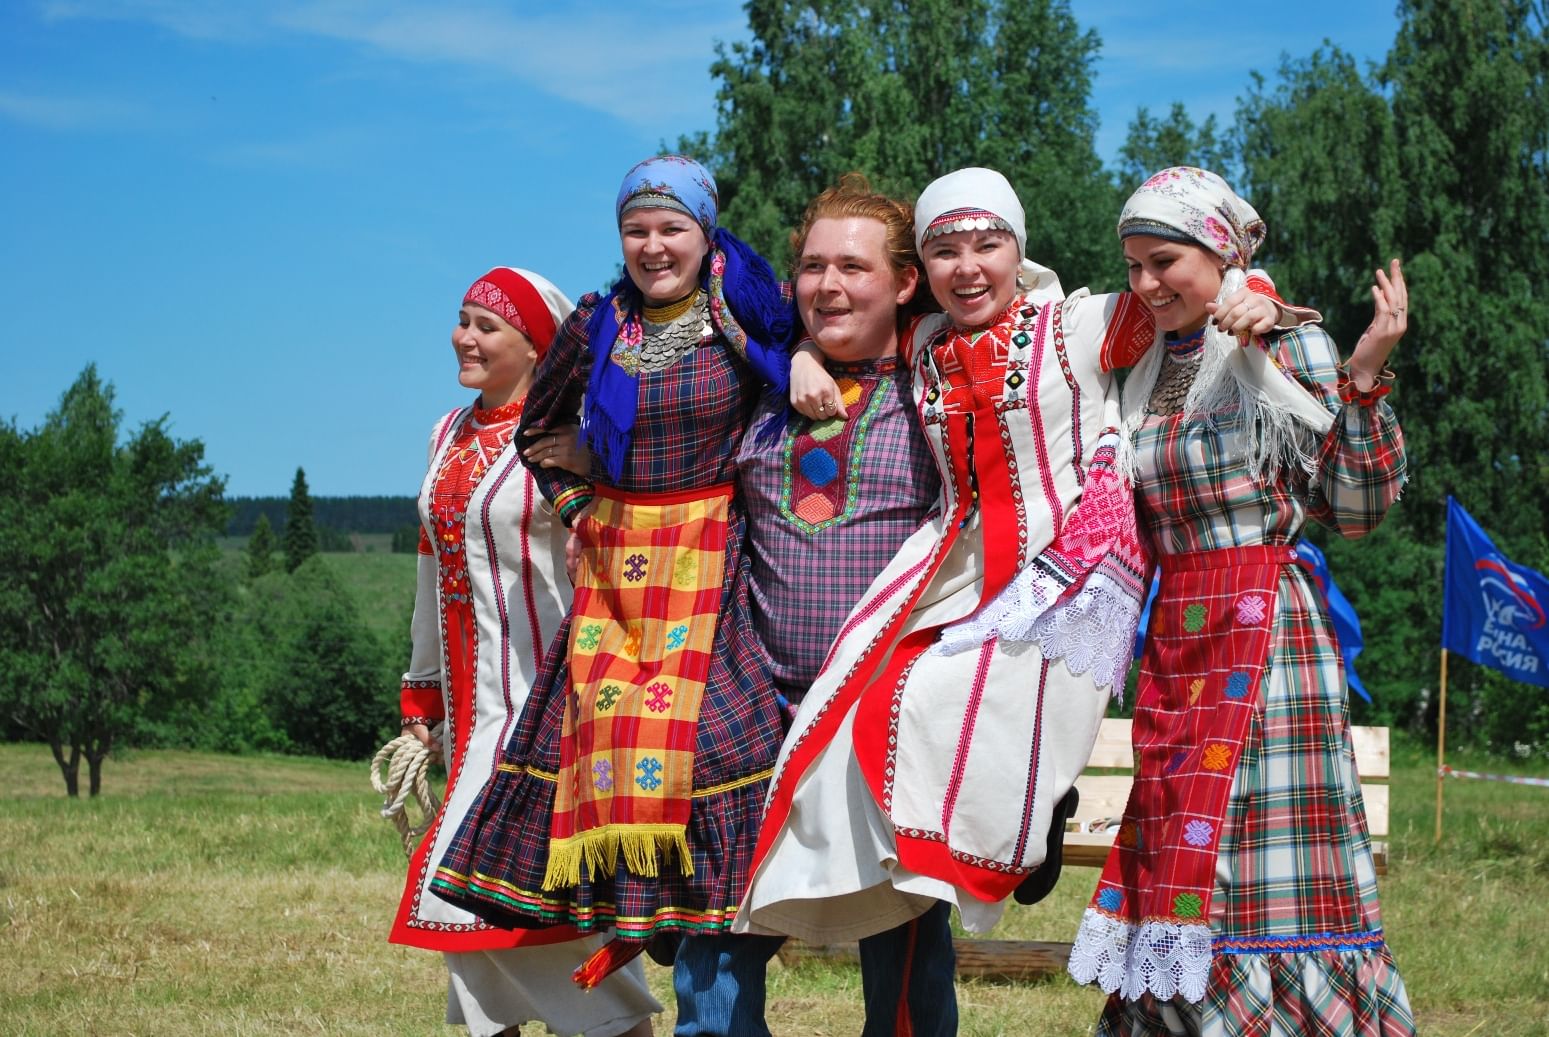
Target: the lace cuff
(1164, 959)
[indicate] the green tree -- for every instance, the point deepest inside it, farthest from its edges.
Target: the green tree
(327, 681)
(406, 540)
(905, 93)
(107, 576)
(300, 532)
(260, 549)
(1154, 144)
(1439, 156)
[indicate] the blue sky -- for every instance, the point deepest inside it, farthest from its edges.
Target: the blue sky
(259, 217)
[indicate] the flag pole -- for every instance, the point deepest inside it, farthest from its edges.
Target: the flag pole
(1441, 742)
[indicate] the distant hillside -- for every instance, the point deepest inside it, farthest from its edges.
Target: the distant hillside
(340, 514)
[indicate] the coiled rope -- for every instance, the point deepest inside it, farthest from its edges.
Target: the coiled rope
(407, 760)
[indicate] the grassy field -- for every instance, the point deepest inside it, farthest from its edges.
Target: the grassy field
(212, 894)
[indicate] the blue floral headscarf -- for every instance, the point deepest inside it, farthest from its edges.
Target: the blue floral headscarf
(671, 182)
(747, 307)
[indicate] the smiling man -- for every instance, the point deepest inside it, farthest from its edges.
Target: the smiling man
(829, 503)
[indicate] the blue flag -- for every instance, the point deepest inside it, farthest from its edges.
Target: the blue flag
(1347, 625)
(1492, 608)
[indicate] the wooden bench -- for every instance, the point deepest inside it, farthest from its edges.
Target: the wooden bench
(1090, 835)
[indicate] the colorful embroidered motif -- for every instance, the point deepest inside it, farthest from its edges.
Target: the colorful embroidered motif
(649, 768)
(590, 635)
(1194, 618)
(823, 458)
(1237, 686)
(658, 697)
(479, 440)
(602, 775)
(609, 695)
(1251, 609)
(676, 636)
(1110, 899)
(1187, 905)
(1198, 833)
(1195, 687)
(1217, 756)
(634, 568)
(1298, 943)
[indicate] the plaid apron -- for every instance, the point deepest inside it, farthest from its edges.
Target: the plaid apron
(648, 592)
(1199, 698)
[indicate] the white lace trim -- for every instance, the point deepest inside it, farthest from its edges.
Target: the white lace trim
(1081, 631)
(1094, 630)
(1011, 615)
(1163, 958)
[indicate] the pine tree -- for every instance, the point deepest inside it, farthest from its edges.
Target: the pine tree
(260, 549)
(300, 533)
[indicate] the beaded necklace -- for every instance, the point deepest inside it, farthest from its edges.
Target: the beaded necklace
(1179, 367)
(667, 333)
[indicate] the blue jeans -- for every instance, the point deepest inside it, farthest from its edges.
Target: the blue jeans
(719, 981)
(907, 978)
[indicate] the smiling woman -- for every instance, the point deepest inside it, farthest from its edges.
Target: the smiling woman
(490, 594)
(1240, 892)
(630, 791)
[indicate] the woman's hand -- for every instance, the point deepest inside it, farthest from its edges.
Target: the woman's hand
(1245, 313)
(422, 733)
(814, 393)
(559, 448)
(1390, 319)
(573, 545)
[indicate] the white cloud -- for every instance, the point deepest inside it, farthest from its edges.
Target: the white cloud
(646, 66)
(335, 149)
(69, 113)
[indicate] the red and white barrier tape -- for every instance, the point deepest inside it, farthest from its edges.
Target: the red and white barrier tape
(1511, 779)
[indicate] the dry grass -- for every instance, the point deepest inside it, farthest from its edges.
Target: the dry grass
(211, 894)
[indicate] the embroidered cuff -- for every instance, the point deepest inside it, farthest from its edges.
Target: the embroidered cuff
(421, 701)
(411, 721)
(1348, 393)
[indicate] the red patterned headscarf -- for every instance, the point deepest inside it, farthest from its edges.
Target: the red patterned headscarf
(529, 303)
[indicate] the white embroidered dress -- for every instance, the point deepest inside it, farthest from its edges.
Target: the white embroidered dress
(963, 694)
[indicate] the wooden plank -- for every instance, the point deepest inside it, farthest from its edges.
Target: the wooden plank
(981, 959)
(1103, 798)
(1372, 758)
(1010, 959)
(1085, 855)
(1376, 797)
(1113, 748)
(794, 951)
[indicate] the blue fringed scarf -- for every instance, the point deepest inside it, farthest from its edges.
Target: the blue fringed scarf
(747, 309)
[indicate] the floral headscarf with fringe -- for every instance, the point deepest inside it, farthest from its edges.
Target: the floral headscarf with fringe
(1236, 384)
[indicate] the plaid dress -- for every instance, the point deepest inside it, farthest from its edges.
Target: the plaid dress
(1296, 942)
(687, 431)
